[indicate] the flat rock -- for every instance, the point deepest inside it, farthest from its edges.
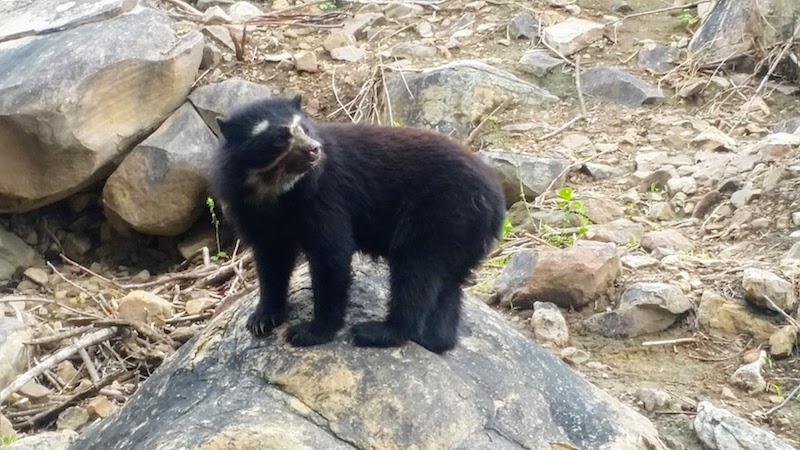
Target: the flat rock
(413, 50)
(645, 307)
(760, 285)
(21, 18)
(658, 58)
(783, 341)
(160, 187)
(571, 277)
(539, 62)
(523, 26)
(402, 10)
(776, 146)
(602, 210)
(620, 231)
(549, 325)
(349, 53)
(714, 140)
(453, 97)
(219, 99)
(572, 35)
(717, 313)
(13, 352)
(669, 239)
(15, 254)
(73, 102)
(533, 172)
(72, 418)
(619, 86)
(719, 429)
(497, 389)
(145, 307)
(243, 11)
(50, 440)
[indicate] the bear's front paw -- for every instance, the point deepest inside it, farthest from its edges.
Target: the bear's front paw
(262, 322)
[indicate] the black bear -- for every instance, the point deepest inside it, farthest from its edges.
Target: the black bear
(425, 203)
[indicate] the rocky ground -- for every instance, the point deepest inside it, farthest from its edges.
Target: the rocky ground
(677, 209)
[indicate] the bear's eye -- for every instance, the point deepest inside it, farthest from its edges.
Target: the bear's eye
(285, 132)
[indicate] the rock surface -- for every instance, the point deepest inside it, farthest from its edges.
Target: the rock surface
(549, 325)
(218, 99)
(760, 285)
(453, 97)
(497, 389)
(571, 277)
(572, 35)
(50, 440)
(159, 188)
(645, 307)
(145, 306)
(533, 172)
(72, 102)
(13, 352)
(619, 86)
(20, 18)
(15, 255)
(732, 316)
(721, 430)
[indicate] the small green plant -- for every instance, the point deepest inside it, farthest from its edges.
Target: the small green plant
(574, 207)
(328, 6)
(687, 20)
(220, 254)
(654, 187)
(6, 440)
(773, 387)
(507, 227)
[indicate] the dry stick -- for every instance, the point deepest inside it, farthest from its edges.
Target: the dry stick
(656, 11)
(500, 108)
(186, 7)
(90, 367)
(540, 199)
(42, 416)
(16, 298)
(780, 310)
(670, 342)
(87, 270)
(105, 307)
(578, 85)
(60, 336)
(785, 401)
(61, 355)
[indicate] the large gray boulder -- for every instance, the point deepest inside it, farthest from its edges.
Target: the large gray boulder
(72, 102)
(734, 27)
(219, 99)
(452, 98)
(160, 187)
(497, 390)
(20, 18)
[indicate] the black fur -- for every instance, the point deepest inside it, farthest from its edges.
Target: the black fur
(418, 198)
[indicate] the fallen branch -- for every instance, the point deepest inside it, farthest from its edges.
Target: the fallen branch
(52, 412)
(670, 342)
(658, 11)
(61, 355)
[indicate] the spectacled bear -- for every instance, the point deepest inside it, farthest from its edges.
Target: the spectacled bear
(419, 199)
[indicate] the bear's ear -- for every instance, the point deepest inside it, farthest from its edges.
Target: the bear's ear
(224, 126)
(297, 101)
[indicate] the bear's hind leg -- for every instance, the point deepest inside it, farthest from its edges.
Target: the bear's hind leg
(413, 295)
(441, 326)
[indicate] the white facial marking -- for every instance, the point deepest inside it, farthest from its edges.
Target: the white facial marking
(260, 127)
(295, 121)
